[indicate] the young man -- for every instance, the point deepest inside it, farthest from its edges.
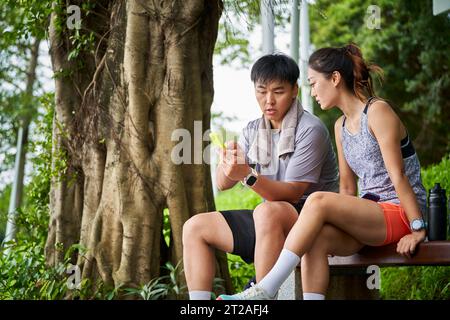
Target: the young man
(284, 156)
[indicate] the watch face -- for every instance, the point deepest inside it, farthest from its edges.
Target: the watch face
(417, 225)
(251, 181)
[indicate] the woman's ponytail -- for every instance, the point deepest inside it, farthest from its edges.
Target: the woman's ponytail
(362, 79)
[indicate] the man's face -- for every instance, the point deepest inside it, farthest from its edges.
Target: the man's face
(274, 99)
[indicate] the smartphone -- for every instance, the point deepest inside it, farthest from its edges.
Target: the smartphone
(217, 140)
(371, 196)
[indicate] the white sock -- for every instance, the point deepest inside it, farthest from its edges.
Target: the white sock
(199, 295)
(286, 263)
(313, 296)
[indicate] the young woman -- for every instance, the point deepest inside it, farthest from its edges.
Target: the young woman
(375, 154)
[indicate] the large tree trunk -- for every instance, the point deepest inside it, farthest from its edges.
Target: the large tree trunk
(150, 74)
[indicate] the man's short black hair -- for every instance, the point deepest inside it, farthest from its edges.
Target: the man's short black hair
(275, 66)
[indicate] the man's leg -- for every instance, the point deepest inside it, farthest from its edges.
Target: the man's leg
(273, 221)
(202, 234)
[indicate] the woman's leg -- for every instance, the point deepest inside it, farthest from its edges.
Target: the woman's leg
(315, 269)
(202, 234)
(360, 218)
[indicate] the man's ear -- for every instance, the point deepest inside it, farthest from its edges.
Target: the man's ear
(295, 91)
(336, 78)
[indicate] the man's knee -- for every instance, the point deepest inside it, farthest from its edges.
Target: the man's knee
(272, 216)
(193, 228)
(264, 213)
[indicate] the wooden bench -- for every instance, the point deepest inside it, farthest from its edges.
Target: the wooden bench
(349, 275)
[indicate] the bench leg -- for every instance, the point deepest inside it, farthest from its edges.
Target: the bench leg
(350, 284)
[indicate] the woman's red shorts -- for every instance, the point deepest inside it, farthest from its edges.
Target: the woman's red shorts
(397, 224)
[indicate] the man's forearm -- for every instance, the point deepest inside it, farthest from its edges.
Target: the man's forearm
(222, 181)
(272, 190)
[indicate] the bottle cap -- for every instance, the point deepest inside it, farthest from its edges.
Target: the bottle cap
(437, 188)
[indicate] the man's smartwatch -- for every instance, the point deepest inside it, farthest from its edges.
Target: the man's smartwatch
(251, 178)
(417, 224)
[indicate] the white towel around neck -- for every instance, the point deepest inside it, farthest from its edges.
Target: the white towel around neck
(260, 150)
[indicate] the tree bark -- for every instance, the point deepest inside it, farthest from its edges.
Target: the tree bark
(150, 74)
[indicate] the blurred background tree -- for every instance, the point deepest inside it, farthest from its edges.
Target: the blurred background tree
(22, 29)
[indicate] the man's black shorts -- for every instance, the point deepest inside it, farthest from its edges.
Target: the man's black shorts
(243, 229)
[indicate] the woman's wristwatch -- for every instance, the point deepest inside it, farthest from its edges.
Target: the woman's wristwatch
(417, 224)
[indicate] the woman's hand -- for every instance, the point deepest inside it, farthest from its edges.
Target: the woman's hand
(407, 245)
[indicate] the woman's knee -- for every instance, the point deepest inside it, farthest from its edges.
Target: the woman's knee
(318, 202)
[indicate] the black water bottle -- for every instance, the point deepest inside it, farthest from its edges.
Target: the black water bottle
(437, 215)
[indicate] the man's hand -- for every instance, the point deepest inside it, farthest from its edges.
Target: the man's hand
(233, 162)
(407, 245)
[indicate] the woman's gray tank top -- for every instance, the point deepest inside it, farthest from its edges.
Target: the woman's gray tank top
(363, 155)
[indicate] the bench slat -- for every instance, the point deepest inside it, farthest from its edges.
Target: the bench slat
(427, 253)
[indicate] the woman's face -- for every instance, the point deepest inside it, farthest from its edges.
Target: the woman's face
(324, 90)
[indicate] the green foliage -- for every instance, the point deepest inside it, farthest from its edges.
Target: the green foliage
(240, 271)
(424, 283)
(168, 286)
(154, 290)
(438, 173)
(32, 219)
(23, 271)
(21, 21)
(24, 276)
(239, 18)
(4, 205)
(166, 226)
(417, 283)
(22, 25)
(238, 197)
(81, 42)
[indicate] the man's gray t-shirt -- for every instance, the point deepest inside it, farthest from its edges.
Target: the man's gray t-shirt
(313, 159)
